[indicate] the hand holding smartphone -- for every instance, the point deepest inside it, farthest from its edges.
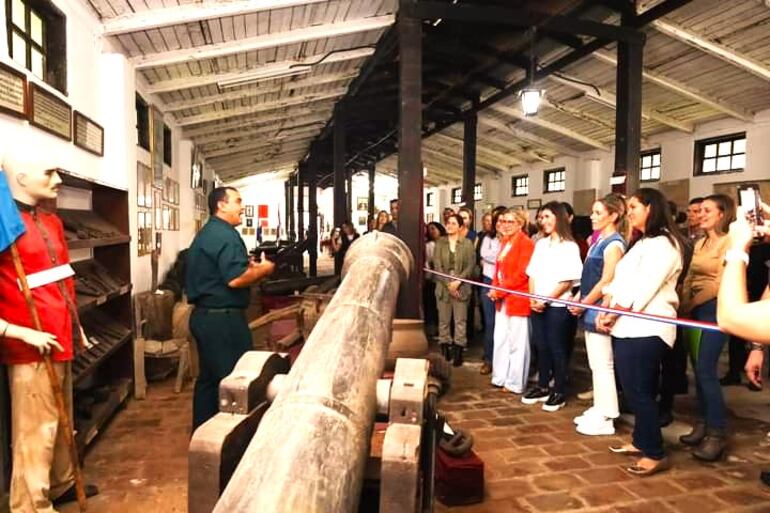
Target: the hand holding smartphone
(751, 204)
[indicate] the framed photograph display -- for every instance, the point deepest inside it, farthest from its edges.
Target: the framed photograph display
(166, 217)
(156, 145)
(89, 135)
(49, 113)
(362, 204)
(158, 208)
(13, 92)
(176, 193)
(249, 210)
(141, 200)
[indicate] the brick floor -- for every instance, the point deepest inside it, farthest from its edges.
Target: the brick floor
(534, 461)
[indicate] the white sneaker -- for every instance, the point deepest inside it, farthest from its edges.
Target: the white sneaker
(596, 426)
(587, 415)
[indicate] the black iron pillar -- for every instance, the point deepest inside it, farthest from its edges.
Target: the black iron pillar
(372, 211)
(301, 179)
(340, 201)
(292, 233)
(628, 112)
(470, 124)
(287, 208)
(312, 230)
(410, 180)
(349, 188)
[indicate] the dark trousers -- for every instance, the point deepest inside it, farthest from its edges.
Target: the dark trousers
(638, 362)
(430, 310)
(738, 357)
(673, 373)
(550, 331)
(710, 400)
(221, 337)
(488, 313)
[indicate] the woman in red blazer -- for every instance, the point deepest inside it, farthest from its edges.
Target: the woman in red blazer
(510, 363)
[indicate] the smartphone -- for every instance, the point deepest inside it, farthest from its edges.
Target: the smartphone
(748, 198)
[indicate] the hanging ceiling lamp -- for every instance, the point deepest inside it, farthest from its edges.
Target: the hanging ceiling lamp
(531, 96)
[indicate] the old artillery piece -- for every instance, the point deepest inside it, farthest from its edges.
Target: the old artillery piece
(301, 438)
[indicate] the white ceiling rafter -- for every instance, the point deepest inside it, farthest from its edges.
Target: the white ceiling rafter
(506, 159)
(227, 149)
(178, 15)
(527, 136)
(263, 42)
(454, 161)
(261, 130)
(608, 99)
(175, 84)
(229, 171)
(258, 158)
(243, 111)
(735, 58)
(516, 147)
(312, 81)
(683, 89)
(516, 113)
(483, 161)
(216, 129)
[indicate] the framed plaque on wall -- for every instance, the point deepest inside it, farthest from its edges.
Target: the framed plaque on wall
(156, 145)
(13, 92)
(49, 113)
(89, 135)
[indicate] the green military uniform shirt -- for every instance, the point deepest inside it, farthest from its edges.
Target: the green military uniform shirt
(216, 257)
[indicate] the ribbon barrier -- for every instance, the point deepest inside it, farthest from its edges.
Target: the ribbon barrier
(686, 323)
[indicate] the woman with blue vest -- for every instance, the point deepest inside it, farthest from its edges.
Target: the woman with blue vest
(608, 218)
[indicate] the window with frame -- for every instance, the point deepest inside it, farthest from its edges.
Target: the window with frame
(167, 145)
(649, 166)
(457, 195)
(478, 192)
(429, 199)
(725, 154)
(142, 123)
(37, 40)
(555, 180)
(519, 185)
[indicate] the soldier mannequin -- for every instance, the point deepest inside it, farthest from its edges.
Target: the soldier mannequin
(42, 469)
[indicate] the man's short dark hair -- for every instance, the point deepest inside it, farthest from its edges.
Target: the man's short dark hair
(394, 200)
(217, 195)
(696, 200)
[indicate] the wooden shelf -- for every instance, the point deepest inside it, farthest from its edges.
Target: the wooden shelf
(94, 301)
(87, 431)
(97, 243)
(91, 367)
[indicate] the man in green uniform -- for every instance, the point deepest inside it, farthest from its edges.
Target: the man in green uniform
(219, 275)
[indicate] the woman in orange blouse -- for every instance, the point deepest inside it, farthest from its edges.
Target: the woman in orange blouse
(510, 361)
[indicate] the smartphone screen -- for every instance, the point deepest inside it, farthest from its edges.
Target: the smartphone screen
(748, 199)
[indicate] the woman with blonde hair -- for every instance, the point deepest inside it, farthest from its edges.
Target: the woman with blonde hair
(608, 219)
(510, 358)
(699, 302)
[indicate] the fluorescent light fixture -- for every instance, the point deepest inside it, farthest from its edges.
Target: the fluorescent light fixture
(259, 76)
(530, 101)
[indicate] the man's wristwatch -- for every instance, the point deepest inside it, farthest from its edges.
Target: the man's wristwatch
(753, 346)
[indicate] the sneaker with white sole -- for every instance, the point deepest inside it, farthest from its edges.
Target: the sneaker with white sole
(535, 395)
(596, 426)
(587, 415)
(555, 402)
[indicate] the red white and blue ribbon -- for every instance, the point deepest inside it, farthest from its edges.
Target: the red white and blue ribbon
(685, 323)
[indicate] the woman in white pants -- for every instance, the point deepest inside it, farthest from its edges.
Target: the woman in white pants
(510, 358)
(607, 218)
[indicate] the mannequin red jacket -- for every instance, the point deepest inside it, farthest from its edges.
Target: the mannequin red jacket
(55, 314)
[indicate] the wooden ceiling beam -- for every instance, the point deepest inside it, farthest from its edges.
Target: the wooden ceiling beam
(278, 137)
(190, 13)
(265, 120)
(526, 136)
(509, 160)
(263, 130)
(256, 156)
(685, 90)
(274, 40)
(265, 70)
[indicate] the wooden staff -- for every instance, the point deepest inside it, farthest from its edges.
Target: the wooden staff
(64, 419)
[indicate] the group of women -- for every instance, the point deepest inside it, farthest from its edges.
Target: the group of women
(637, 261)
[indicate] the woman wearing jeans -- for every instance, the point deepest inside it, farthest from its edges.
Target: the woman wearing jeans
(607, 216)
(511, 354)
(489, 247)
(699, 302)
(645, 281)
(554, 268)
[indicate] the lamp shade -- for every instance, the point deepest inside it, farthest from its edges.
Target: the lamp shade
(530, 101)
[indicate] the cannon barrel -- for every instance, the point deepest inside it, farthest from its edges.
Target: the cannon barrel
(310, 450)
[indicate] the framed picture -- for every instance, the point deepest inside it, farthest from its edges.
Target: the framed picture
(166, 188)
(176, 193)
(249, 210)
(362, 204)
(362, 221)
(166, 217)
(534, 203)
(249, 222)
(158, 199)
(141, 197)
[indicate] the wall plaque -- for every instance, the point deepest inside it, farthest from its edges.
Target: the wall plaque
(89, 135)
(13, 92)
(49, 113)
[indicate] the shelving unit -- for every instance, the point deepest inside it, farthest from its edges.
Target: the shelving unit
(102, 374)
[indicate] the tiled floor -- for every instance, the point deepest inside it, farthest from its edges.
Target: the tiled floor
(534, 460)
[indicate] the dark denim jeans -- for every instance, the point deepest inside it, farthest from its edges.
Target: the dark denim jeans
(488, 312)
(550, 332)
(710, 400)
(637, 361)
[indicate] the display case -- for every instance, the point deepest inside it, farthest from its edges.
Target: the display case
(95, 218)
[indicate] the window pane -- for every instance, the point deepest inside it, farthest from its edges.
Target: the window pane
(36, 28)
(710, 151)
(723, 163)
(656, 159)
(724, 148)
(739, 146)
(645, 174)
(655, 173)
(19, 50)
(709, 165)
(17, 9)
(38, 64)
(739, 162)
(647, 161)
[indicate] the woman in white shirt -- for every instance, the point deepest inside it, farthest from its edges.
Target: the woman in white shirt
(645, 281)
(554, 269)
